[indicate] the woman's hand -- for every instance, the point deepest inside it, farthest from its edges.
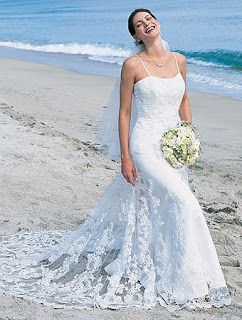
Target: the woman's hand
(128, 170)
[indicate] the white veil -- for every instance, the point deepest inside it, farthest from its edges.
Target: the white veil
(108, 133)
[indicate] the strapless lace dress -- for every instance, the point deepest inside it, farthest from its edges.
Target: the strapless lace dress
(139, 246)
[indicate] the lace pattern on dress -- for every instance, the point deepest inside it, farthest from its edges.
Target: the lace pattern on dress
(120, 256)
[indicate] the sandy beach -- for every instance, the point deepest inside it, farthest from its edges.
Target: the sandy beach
(51, 175)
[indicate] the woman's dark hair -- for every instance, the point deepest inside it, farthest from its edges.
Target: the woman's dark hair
(131, 18)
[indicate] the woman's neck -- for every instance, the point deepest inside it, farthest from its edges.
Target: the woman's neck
(155, 48)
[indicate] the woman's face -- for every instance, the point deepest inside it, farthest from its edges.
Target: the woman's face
(145, 26)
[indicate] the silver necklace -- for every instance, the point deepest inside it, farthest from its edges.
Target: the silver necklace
(157, 64)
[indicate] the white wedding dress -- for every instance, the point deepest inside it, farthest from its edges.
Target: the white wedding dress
(140, 245)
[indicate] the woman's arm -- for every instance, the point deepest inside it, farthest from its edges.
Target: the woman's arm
(126, 89)
(185, 108)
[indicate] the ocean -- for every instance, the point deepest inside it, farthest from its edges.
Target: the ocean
(92, 36)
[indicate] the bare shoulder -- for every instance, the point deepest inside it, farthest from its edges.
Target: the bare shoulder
(181, 59)
(130, 64)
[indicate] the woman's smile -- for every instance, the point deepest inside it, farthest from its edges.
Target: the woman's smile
(150, 29)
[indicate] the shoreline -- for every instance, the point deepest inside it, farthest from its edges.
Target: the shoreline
(100, 67)
(102, 75)
(52, 177)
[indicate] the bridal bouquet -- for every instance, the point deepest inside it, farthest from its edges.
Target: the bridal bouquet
(180, 145)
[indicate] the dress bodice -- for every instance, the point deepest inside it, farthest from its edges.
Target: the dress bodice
(155, 109)
(157, 100)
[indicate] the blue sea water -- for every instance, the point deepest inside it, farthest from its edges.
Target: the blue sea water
(92, 36)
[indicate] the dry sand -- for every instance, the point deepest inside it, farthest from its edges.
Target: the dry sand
(51, 175)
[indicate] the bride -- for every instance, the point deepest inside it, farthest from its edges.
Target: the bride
(146, 241)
